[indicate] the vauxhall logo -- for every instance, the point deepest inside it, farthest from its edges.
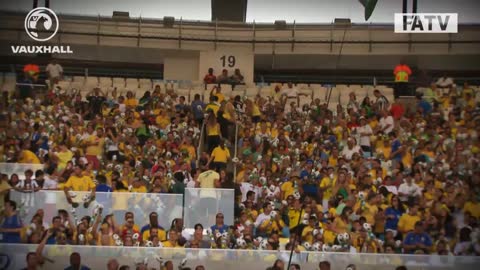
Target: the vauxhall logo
(41, 24)
(426, 23)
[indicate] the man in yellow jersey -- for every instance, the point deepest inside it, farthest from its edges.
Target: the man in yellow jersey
(79, 182)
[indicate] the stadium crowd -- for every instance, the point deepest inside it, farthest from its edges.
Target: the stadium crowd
(370, 177)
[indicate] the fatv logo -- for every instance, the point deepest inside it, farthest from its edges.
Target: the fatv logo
(426, 23)
(41, 24)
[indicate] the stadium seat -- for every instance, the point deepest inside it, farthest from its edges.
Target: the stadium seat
(79, 79)
(210, 86)
(145, 85)
(131, 84)
(105, 82)
(183, 92)
(91, 82)
(251, 91)
(319, 92)
(266, 91)
(304, 100)
(236, 92)
(119, 84)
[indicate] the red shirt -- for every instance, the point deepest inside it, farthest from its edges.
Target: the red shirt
(397, 111)
(210, 78)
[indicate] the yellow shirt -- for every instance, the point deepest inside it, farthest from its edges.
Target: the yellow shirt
(190, 149)
(28, 156)
(207, 179)
(162, 121)
(255, 110)
(3, 186)
(294, 217)
(162, 235)
(213, 130)
(307, 234)
(368, 212)
(170, 245)
(288, 189)
(212, 106)
(407, 222)
(83, 183)
(473, 208)
(131, 102)
(220, 155)
(220, 97)
(63, 158)
(340, 225)
(141, 189)
(95, 150)
(327, 183)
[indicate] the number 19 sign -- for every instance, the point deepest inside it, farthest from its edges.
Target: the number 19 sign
(229, 59)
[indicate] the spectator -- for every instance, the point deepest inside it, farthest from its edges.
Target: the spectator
(75, 262)
(102, 184)
(198, 108)
(28, 184)
(417, 240)
(54, 72)
(112, 264)
(4, 189)
(95, 100)
(219, 224)
(444, 81)
(237, 77)
(423, 106)
(198, 237)
(223, 78)
(209, 78)
(32, 261)
(11, 226)
(324, 265)
(407, 221)
(381, 103)
(79, 182)
(220, 156)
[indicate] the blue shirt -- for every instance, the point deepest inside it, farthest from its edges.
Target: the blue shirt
(82, 267)
(221, 229)
(392, 223)
(103, 188)
(418, 238)
(426, 107)
(395, 146)
(12, 222)
(198, 113)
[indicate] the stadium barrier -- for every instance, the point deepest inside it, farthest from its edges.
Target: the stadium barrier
(202, 205)
(13, 257)
(19, 168)
(168, 206)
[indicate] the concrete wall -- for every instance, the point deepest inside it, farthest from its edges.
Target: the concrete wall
(181, 68)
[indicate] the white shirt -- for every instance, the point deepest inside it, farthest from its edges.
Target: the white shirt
(245, 187)
(54, 70)
(261, 218)
(409, 190)
(348, 153)
(444, 82)
(290, 92)
(50, 184)
(385, 121)
(27, 187)
(365, 139)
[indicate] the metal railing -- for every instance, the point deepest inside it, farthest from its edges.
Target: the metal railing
(219, 259)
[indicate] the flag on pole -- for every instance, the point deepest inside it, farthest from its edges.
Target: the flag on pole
(369, 6)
